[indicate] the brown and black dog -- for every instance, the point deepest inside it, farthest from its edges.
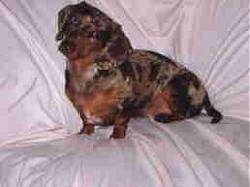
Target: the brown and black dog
(109, 82)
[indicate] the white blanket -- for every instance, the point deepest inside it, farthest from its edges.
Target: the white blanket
(209, 37)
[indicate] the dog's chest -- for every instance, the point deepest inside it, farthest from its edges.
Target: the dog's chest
(78, 81)
(88, 82)
(99, 97)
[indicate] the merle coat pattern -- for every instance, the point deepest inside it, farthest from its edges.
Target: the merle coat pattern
(109, 82)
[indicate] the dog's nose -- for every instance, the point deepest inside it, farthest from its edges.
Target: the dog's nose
(59, 36)
(66, 47)
(63, 48)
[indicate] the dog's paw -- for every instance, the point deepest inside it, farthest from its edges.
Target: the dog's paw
(162, 118)
(118, 133)
(87, 129)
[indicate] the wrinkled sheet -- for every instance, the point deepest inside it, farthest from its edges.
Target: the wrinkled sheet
(193, 153)
(37, 122)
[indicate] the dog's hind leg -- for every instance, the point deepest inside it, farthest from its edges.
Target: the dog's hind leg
(160, 108)
(164, 117)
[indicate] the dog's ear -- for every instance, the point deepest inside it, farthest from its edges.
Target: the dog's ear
(62, 18)
(117, 50)
(118, 46)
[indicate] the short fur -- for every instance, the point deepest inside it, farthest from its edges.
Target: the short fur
(109, 82)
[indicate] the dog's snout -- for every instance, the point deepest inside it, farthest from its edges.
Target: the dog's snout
(66, 47)
(59, 36)
(63, 48)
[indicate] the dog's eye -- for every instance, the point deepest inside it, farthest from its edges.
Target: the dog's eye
(74, 20)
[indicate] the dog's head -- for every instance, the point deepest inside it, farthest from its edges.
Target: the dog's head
(84, 30)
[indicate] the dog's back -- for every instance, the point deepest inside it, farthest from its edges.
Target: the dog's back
(165, 90)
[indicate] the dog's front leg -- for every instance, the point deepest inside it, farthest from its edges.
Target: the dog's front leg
(88, 128)
(120, 125)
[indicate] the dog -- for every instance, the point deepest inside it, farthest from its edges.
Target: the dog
(109, 82)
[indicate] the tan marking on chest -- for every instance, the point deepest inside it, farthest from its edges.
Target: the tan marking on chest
(83, 70)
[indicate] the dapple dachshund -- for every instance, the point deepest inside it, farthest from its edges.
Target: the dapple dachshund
(109, 82)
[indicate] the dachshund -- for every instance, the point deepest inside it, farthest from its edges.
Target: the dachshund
(109, 82)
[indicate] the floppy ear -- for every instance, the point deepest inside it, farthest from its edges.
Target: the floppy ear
(62, 17)
(118, 47)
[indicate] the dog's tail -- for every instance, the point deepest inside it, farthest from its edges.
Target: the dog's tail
(211, 111)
